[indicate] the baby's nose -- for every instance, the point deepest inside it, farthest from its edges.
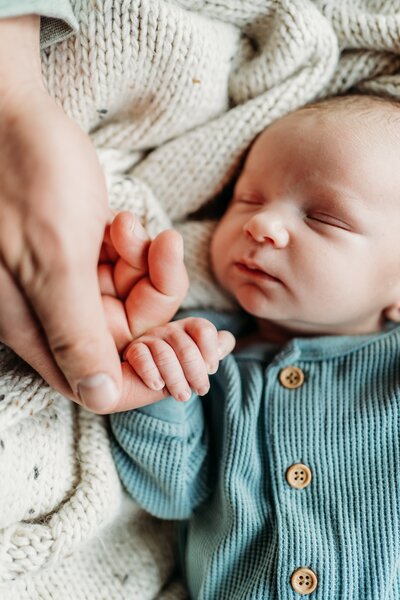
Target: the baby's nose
(266, 228)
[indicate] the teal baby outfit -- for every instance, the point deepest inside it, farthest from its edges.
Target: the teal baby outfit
(219, 465)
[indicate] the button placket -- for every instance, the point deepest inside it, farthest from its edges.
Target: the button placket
(303, 580)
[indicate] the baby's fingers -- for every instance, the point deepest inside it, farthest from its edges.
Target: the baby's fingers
(155, 357)
(214, 345)
(226, 343)
(190, 359)
(141, 360)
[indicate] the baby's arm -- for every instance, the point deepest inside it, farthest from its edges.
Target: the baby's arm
(162, 450)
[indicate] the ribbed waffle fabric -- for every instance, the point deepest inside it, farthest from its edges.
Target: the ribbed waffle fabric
(220, 464)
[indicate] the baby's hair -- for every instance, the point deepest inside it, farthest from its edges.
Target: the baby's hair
(360, 105)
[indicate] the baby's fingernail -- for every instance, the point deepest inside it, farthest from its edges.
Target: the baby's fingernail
(157, 384)
(203, 390)
(212, 368)
(98, 392)
(139, 231)
(183, 395)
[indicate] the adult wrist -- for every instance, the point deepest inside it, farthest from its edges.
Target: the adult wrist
(19, 54)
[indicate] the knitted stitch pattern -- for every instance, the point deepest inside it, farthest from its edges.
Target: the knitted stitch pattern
(172, 93)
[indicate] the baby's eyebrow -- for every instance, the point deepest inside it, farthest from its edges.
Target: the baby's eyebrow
(345, 205)
(246, 184)
(332, 193)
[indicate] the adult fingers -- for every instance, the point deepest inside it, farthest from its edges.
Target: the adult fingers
(131, 241)
(155, 299)
(116, 321)
(106, 280)
(20, 331)
(167, 269)
(53, 216)
(68, 304)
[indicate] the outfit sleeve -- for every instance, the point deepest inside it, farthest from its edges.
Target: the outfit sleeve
(58, 20)
(161, 455)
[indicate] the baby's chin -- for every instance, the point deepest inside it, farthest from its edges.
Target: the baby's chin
(257, 303)
(284, 330)
(274, 313)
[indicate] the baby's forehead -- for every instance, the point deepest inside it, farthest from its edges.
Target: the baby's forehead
(340, 124)
(354, 140)
(368, 117)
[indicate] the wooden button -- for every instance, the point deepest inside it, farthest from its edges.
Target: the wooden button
(303, 581)
(291, 377)
(298, 476)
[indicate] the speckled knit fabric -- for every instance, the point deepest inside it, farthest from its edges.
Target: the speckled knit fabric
(172, 93)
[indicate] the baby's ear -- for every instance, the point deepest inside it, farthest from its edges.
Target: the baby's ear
(392, 313)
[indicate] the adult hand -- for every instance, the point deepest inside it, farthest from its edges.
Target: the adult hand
(53, 211)
(143, 283)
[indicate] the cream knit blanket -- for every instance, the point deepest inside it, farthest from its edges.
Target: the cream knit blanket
(172, 93)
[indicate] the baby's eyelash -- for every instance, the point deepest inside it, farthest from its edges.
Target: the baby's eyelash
(326, 219)
(249, 200)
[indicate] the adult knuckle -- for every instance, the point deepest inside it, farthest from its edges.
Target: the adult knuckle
(56, 253)
(44, 253)
(81, 347)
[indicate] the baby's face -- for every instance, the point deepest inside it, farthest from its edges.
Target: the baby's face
(311, 239)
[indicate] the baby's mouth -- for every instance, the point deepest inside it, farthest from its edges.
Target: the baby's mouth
(254, 271)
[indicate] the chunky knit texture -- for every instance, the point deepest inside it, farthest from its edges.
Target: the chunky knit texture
(221, 462)
(172, 93)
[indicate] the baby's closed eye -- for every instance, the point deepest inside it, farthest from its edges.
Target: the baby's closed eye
(328, 220)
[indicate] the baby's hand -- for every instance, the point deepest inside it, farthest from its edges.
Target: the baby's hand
(179, 356)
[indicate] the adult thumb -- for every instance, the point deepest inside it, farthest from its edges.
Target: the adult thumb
(71, 313)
